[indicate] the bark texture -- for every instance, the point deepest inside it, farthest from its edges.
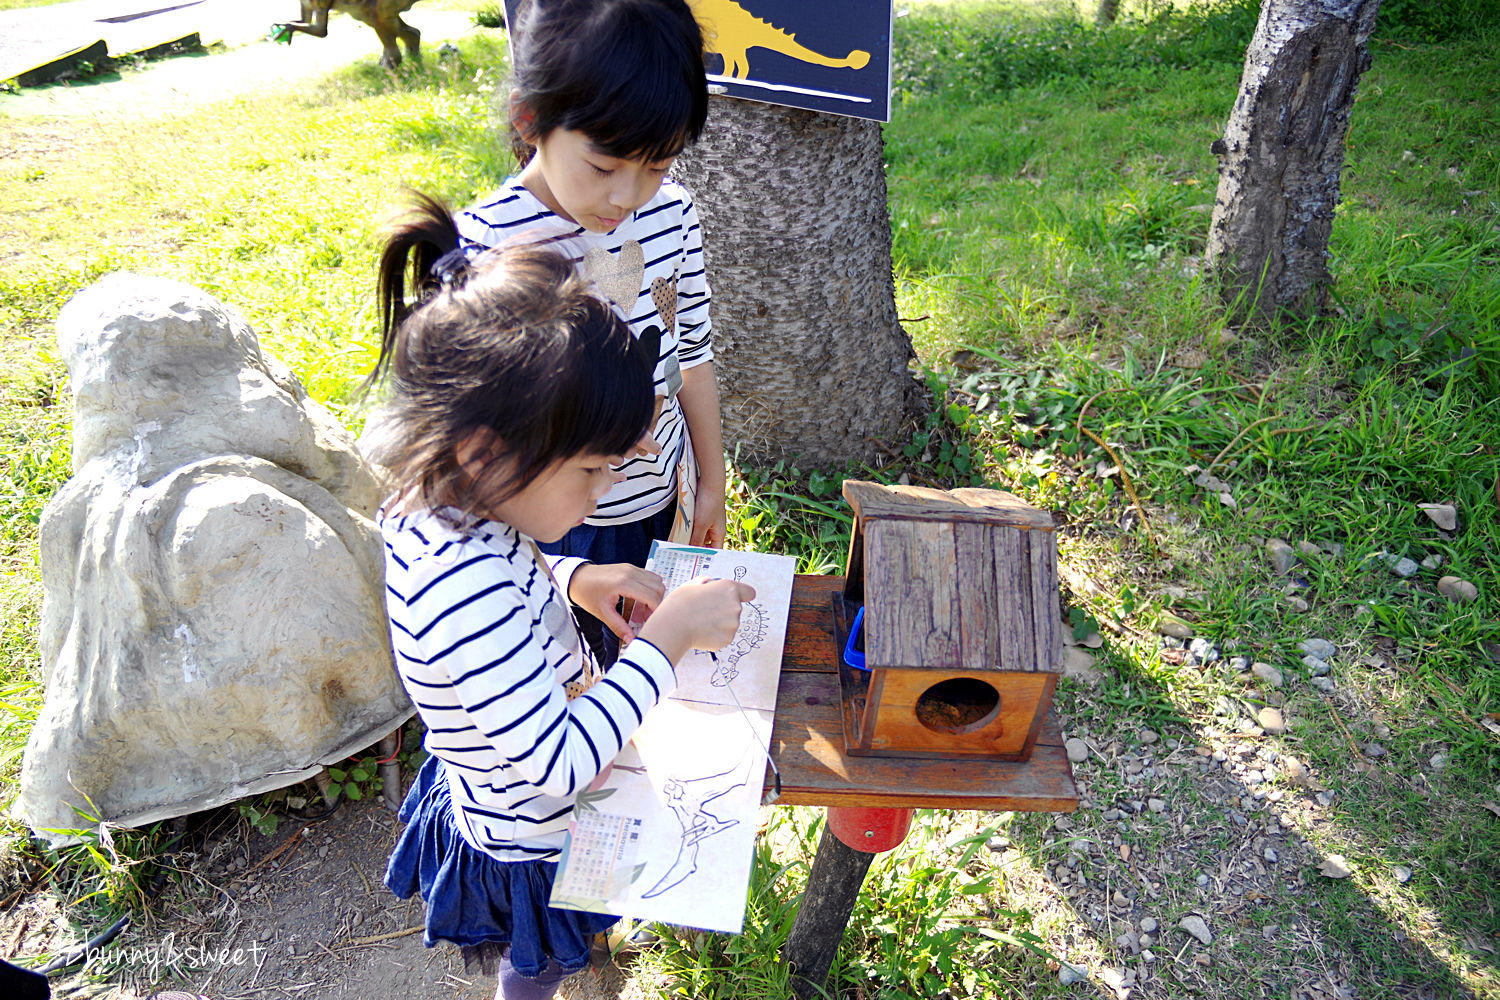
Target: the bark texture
(810, 357)
(817, 931)
(1283, 152)
(1108, 12)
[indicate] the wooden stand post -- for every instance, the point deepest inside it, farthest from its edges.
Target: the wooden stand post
(833, 885)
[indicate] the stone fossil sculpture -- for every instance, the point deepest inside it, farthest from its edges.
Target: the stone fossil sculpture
(212, 623)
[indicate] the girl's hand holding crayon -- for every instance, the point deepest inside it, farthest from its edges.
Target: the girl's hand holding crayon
(598, 590)
(700, 614)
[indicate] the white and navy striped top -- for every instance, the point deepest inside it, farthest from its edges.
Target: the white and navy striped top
(662, 288)
(488, 651)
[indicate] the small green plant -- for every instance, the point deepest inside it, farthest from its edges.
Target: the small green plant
(491, 15)
(260, 814)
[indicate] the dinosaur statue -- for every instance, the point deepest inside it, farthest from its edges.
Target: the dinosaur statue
(731, 31)
(382, 15)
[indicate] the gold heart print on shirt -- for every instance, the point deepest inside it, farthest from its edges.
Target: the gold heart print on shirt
(618, 276)
(664, 295)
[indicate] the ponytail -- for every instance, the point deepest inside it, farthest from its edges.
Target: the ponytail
(422, 244)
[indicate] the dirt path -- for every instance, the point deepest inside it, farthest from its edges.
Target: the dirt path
(238, 61)
(299, 914)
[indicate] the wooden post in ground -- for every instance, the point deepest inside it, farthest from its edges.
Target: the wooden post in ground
(833, 885)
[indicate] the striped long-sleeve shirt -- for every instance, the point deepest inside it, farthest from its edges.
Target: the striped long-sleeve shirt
(488, 651)
(651, 267)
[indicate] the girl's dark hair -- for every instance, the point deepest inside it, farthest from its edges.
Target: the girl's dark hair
(515, 344)
(626, 73)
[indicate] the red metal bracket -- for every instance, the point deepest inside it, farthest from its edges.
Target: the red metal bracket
(869, 829)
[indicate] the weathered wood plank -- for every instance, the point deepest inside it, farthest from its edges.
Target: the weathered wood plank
(1049, 634)
(1043, 598)
(1013, 584)
(911, 613)
(872, 501)
(978, 596)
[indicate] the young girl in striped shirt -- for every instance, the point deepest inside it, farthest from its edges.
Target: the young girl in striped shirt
(604, 95)
(514, 393)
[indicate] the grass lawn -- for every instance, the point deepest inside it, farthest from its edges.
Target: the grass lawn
(1050, 191)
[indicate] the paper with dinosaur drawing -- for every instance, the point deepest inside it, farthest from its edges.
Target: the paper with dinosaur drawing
(751, 664)
(667, 833)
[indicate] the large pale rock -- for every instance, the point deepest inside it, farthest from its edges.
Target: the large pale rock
(213, 622)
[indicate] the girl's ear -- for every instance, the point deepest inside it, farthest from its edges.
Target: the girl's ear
(476, 452)
(523, 119)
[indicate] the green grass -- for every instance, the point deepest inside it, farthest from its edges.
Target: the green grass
(1049, 185)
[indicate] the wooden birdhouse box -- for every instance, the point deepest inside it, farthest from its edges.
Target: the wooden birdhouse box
(949, 629)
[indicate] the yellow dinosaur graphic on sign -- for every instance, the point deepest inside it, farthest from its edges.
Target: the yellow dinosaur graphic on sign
(731, 31)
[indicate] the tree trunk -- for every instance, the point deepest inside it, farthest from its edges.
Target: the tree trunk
(810, 357)
(1282, 153)
(1108, 11)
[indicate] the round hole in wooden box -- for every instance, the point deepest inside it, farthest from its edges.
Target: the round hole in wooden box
(958, 705)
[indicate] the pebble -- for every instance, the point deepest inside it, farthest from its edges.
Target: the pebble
(1062, 823)
(1373, 749)
(1128, 942)
(1403, 567)
(1238, 818)
(1438, 761)
(1334, 866)
(1298, 605)
(998, 844)
(1078, 751)
(1271, 720)
(1318, 667)
(1321, 648)
(1070, 974)
(1309, 548)
(1174, 627)
(1267, 674)
(1148, 736)
(1149, 925)
(1147, 956)
(1203, 880)
(1110, 815)
(1283, 557)
(1254, 777)
(1324, 684)
(1443, 515)
(1271, 855)
(1194, 925)
(1325, 798)
(1203, 650)
(1402, 873)
(1458, 591)
(1432, 562)
(1156, 805)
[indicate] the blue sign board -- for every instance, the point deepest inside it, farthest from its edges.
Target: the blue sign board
(823, 55)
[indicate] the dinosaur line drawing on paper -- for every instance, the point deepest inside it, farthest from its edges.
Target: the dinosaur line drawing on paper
(754, 628)
(732, 31)
(689, 799)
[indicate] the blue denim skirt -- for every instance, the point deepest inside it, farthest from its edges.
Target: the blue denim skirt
(475, 901)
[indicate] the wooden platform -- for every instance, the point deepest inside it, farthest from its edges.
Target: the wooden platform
(807, 742)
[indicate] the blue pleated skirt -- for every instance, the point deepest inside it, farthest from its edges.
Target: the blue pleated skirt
(475, 901)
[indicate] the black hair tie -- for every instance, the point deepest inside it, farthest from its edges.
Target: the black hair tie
(450, 267)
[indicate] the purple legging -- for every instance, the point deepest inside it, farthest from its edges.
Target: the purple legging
(514, 986)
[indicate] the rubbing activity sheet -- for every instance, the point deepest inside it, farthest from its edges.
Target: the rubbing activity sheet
(667, 832)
